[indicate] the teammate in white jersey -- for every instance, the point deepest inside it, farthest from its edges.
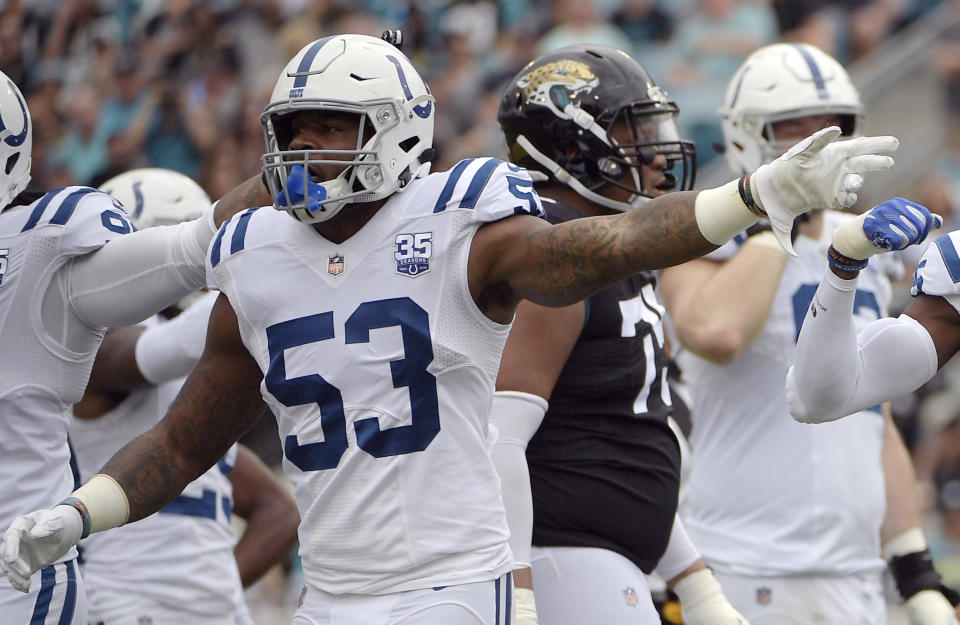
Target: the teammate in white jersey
(792, 519)
(371, 323)
(599, 504)
(66, 273)
(177, 566)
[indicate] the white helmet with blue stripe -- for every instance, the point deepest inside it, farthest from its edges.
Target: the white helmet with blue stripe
(157, 197)
(16, 141)
(778, 82)
(348, 74)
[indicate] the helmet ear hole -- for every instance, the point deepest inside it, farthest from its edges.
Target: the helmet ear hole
(11, 163)
(610, 167)
(407, 144)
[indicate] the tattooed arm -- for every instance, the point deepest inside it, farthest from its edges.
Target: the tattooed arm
(526, 258)
(218, 402)
(248, 194)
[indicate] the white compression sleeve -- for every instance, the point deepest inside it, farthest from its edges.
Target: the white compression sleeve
(516, 416)
(139, 274)
(680, 554)
(167, 351)
(838, 372)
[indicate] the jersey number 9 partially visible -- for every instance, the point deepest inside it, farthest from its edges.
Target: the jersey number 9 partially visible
(410, 371)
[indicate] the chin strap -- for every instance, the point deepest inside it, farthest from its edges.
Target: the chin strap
(568, 179)
(586, 121)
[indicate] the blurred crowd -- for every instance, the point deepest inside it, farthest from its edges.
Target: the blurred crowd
(180, 84)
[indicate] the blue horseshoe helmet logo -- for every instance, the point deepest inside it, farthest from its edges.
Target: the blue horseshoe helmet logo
(422, 110)
(18, 139)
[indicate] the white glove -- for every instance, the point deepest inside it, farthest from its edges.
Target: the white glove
(817, 173)
(36, 540)
(703, 602)
(929, 607)
(525, 607)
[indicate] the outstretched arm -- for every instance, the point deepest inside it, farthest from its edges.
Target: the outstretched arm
(139, 274)
(838, 372)
(523, 258)
(270, 512)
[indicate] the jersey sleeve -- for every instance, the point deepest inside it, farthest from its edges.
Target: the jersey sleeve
(938, 272)
(88, 218)
(230, 239)
(492, 188)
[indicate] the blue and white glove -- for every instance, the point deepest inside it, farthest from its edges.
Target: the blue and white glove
(892, 225)
(818, 172)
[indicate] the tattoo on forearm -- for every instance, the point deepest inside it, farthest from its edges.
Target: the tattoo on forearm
(246, 195)
(582, 256)
(155, 467)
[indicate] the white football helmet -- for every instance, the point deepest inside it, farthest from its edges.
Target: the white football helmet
(778, 82)
(16, 141)
(157, 197)
(353, 74)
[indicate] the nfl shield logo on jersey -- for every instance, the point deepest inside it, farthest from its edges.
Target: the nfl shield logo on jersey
(631, 597)
(764, 595)
(413, 252)
(335, 265)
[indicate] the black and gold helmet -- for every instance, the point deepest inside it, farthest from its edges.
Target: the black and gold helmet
(557, 115)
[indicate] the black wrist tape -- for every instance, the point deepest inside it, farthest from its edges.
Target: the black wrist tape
(746, 195)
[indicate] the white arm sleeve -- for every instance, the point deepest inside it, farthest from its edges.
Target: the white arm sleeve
(516, 416)
(139, 274)
(838, 372)
(167, 351)
(680, 554)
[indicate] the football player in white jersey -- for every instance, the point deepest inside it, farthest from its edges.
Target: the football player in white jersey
(793, 520)
(603, 460)
(177, 566)
(69, 267)
(369, 313)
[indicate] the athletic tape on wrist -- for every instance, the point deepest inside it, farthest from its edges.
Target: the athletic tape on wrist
(721, 213)
(844, 263)
(105, 502)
